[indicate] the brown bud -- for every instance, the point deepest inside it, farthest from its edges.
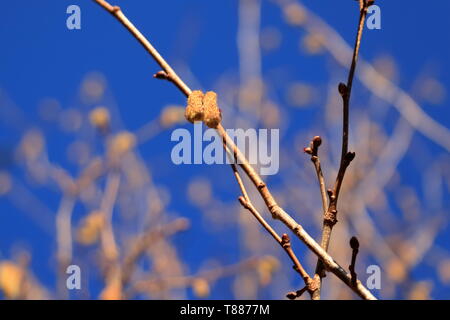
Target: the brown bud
(330, 193)
(342, 89)
(354, 243)
(317, 141)
(291, 295)
(161, 75)
(285, 240)
(307, 150)
(194, 109)
(350, 156)
(212, 115)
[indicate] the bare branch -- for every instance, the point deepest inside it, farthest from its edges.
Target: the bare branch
(330, 216)
(276, 211)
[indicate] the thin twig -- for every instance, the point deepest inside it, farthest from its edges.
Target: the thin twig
(168, 73)
(313, 150)
(354, 244)
(276, 211)
(284, 241)
(375, 82)
(330, 216)
(297, 294)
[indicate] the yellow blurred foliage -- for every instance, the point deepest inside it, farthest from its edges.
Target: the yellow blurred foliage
(113, 291)
(313, 43)
(444, 271)
(90, 228)
(265, 268)
(420, 291)
(172, 115)
(200, 286)
(120, 144)
(99, 118)
(300, 94)
(396, 270)
(294, 14)
(11, 279)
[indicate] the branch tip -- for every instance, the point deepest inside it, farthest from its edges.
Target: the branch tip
(243, 202)
(317, 141)
(354, 243)
(291, 295)
(349, 156)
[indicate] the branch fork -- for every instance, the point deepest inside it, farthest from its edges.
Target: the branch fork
(330, 213)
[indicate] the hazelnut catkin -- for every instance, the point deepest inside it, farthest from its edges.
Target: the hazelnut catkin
(212, 115)
(194, 109)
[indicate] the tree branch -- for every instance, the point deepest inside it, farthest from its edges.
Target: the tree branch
(284, 241)
(330, 216)
(276, 211)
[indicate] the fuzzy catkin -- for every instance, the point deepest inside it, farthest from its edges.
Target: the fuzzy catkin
(212, 115)
(194, 109)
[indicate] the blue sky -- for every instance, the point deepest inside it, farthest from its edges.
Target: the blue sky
(40, 57)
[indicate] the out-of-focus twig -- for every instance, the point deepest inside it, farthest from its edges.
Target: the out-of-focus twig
(64, 238)
(185, 281)
(142, 243)
(108, 243)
